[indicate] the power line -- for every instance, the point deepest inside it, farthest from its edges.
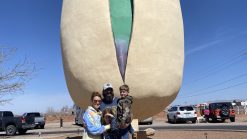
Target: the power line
(220, 83)
(218, 70)
(214, 91)
(223, 63)
(220, 67)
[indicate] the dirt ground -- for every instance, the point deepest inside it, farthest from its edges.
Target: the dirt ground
(56, 118)
(198, 135)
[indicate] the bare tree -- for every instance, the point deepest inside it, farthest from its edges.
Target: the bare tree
(13, 77)
(66, 110)
(50, 111)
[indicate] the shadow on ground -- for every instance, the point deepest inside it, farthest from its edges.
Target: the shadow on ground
(76, 137)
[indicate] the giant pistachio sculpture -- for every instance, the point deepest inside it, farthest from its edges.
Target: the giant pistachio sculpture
(137, 42)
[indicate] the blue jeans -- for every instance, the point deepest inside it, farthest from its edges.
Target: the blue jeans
(116, 133)
(124, 133)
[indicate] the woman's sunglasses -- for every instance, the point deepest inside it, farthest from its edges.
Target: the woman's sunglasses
(95, 101)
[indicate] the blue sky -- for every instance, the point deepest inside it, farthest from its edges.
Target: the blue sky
(215, 51)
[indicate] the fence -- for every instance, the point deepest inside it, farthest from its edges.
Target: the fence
(240, 109)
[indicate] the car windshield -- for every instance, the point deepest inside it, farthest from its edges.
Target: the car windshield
(220, 105)
(187, 108)
(33, 114)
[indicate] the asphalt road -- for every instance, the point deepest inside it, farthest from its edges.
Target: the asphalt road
(199, 127)
(226, 126)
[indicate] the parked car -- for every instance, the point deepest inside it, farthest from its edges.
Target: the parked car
(219, 110)
(12, 124)
(146, 121)
(38, 119)
(181, 114)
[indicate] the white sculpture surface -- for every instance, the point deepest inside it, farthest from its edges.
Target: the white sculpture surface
(155, 57)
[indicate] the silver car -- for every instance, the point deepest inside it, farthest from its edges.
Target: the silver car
(181, 114)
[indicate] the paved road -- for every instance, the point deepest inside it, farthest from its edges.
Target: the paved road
(236, 126)
(52, 130)
(199, 127)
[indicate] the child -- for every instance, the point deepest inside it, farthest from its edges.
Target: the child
(124, 115)
(108, 118)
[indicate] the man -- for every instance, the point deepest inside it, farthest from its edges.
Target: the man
(109, 101)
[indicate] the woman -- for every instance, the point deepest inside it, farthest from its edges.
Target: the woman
(92, 119)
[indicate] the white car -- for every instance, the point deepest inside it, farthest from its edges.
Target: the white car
(181, 114)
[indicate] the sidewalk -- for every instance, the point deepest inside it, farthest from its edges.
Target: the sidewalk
(51, 131)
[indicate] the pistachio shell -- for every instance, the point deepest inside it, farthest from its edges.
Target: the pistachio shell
(155, 58)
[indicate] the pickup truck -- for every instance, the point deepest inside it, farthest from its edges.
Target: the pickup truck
(12, 124)
(38, 119)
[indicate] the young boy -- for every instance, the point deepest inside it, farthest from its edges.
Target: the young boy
(124, 115)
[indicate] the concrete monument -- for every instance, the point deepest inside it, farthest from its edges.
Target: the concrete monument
(137, 42)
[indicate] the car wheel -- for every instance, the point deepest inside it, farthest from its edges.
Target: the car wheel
(10, 130)
(22, 131)
(214, 119)
(175, 120)
(42, 126)
(168, 119)
(232, 119)
(223, 120)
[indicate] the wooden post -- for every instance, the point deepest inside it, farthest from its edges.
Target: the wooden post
(141, 135)
(138, 134)
(61, 122)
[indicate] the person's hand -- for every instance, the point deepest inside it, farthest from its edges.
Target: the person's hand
(107, 127)
(110, 115)
(108, 118)
(84, 124)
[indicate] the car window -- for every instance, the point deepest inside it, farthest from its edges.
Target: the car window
(33, 114)
(186, 108)
(175, 109)
(8, 114)
(172, 109)
(220, 105)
